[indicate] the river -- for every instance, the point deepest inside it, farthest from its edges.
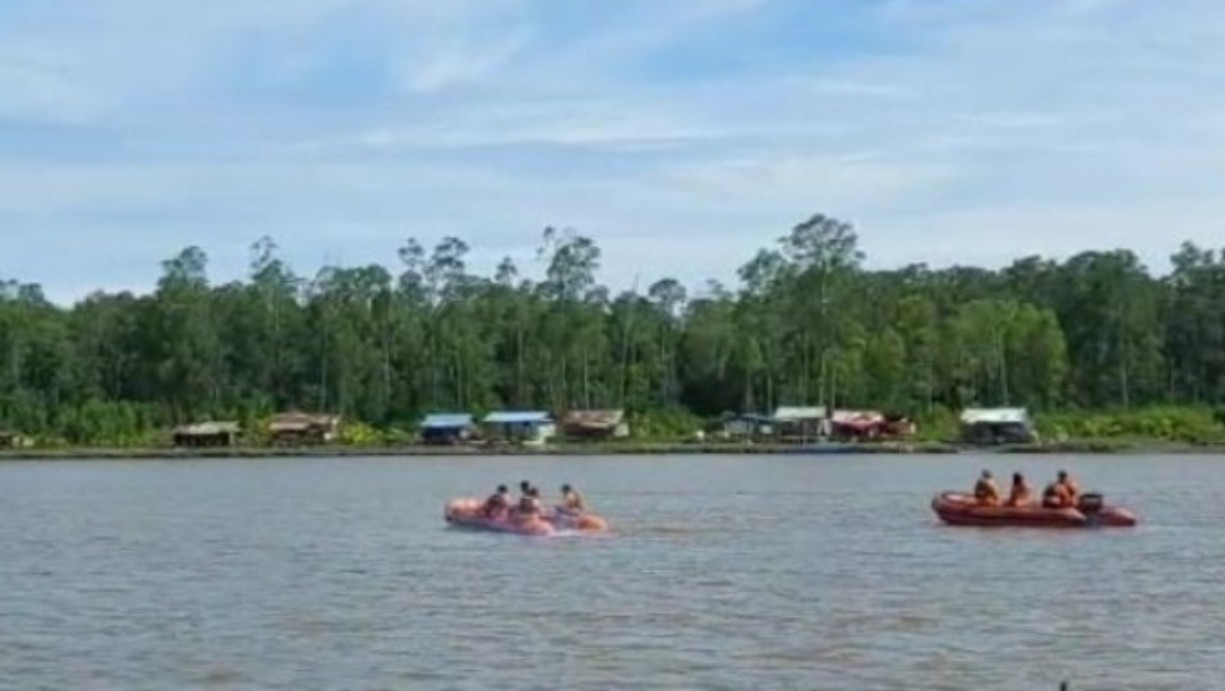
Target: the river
(724, 572)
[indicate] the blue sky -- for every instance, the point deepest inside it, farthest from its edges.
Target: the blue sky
(682, 136)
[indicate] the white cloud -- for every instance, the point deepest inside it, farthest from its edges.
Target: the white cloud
(965, 130)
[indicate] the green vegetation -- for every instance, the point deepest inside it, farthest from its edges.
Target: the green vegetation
(806, 324)
(1173, 425)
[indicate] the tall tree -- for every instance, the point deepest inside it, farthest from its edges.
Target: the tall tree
(808, 323)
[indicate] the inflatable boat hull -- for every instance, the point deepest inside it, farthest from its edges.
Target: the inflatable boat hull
(466, 513)
(957, 508)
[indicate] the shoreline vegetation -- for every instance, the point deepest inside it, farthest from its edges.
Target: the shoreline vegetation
(1104, 353)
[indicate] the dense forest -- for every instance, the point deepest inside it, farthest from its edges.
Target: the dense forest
(806, 323)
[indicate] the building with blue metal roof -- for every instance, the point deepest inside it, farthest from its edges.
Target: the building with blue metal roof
(447, 428)
(523, 426)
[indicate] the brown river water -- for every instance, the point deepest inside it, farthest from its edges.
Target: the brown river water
(724, 572)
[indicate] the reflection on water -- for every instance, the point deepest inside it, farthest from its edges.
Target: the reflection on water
(722, 573)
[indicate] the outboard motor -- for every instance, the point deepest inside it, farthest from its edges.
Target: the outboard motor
(1089, 504)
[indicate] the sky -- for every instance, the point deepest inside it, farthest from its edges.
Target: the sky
(682, 136)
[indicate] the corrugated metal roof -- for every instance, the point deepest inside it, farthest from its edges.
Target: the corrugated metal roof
(505, 417)
(594, 418)
(788, 413)
(851, 416)
(297, 422)
(446, 420)
(756, 418)
(995, 416)
(208, 428)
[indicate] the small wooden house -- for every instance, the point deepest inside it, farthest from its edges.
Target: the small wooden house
(743, 426)
(447, 428)
(856, 425)
(595, 424)
(207, 434)
(10, 439)
(304, 428)
(530, 427)
(802, 423)
(987, 426)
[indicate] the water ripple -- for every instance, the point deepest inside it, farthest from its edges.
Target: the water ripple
(723, 573)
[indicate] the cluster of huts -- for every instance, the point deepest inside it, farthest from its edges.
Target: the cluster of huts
(286, 429)
(517, 426)
(787, 424)
(529, 427)
(816, 423)
(980, 426)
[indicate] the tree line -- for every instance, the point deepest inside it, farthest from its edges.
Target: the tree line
(805, 323)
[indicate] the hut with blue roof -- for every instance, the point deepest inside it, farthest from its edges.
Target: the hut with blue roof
(532, 427)
(447, 428)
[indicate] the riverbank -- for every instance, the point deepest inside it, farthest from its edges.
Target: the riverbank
(611, 449)
(588, 449)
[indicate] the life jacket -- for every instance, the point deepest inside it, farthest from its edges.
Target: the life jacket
(984, 489)
(1056, 495)
(1020, 495)
(528, 506)
(1072, 488)
(494, 504)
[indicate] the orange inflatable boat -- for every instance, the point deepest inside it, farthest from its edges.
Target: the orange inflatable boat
(466, 513)
(959, 508)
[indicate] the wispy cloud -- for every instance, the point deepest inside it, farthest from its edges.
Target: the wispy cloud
(963, 130)
(458, 60)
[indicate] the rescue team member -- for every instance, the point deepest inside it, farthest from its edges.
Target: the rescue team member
(497, 503)
(1061, 493)
(1020, 496)
(571, 500)
(985, 490)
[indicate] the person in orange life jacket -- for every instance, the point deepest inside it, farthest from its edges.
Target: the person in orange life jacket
(985, 490)
(1061, 493)
(497, 503)
(571, 500)
(529, 503)
(1020, 496)
(1071, 485)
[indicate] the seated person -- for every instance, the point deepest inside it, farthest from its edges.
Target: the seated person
(985, 490)
(571, 500)
(1066, 480)
(1020, 495)
(529, 504)
(497, 503)
(1058, 495)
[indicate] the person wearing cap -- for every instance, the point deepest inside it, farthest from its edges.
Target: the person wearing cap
(985, 490)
